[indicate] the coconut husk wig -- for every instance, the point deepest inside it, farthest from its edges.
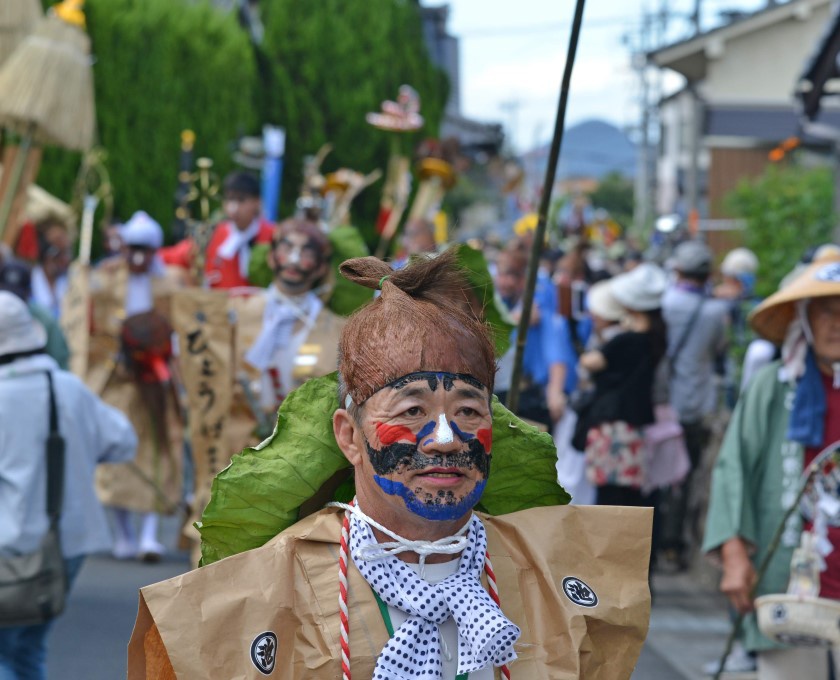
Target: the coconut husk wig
(422, 321)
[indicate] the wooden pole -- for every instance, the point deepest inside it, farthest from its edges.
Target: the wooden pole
(545, 202)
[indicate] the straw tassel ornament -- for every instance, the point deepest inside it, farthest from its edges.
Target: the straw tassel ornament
(17, 20)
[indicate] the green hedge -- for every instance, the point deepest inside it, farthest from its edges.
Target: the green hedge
(787, 210)
(165, 65)
(332, 61)
(161, 66)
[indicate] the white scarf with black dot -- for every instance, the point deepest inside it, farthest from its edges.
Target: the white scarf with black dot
(485, 634)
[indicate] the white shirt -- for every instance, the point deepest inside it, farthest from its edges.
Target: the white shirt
(434, 573)
(93, 431)
(44, 294)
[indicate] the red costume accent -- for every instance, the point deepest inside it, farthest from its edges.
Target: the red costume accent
(218, 273)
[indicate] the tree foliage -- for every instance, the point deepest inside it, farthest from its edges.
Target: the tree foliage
(786, 210)
(161, 66)
(328, 63)
(615, 195)
(166, 65)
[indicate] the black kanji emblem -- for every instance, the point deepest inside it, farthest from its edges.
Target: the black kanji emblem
(264, 652)
(578, 592)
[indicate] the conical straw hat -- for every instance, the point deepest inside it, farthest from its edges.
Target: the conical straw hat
(46, 86)
(17, 19)
(773, 316)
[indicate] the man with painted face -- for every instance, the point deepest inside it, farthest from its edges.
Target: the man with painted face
(299, 335)
(229, 251)
(399, 583)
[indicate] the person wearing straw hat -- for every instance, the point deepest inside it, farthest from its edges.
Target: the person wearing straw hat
(93, 433)
(391, 584)
(789, 412)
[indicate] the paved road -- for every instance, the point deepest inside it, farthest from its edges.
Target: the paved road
(688, 622)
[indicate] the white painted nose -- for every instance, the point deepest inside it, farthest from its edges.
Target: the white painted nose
(444, 432)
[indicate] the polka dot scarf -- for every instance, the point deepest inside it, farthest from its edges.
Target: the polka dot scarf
(485, 634)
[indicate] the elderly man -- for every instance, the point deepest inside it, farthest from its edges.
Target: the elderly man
(392, 586)
(789, 413)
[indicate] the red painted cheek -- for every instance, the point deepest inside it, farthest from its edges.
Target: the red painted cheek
(388, 434)
(485, 436)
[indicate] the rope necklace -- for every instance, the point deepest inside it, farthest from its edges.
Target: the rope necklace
(449, 545)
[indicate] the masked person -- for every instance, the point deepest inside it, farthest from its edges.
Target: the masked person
(788, 414)
(299, 335)
(399, 583)
(228, 254)
(131, 366)
(49, 276)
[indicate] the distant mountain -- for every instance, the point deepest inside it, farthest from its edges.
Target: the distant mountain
(590, 149)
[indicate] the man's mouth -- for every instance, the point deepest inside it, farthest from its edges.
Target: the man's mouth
(441, 472)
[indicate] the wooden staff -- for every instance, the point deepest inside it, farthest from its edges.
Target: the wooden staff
(539, 234)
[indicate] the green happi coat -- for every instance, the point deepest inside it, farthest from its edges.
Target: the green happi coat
(756, 477)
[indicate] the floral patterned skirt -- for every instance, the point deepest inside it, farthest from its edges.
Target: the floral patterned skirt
(615, 454)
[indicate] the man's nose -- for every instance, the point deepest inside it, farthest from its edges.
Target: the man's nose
(441, 439)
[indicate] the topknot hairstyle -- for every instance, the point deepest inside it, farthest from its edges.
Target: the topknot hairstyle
(422, 321)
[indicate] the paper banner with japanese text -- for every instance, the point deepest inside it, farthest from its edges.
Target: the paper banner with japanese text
(205, 341)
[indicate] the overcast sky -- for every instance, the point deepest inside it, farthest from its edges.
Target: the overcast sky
(512, 56)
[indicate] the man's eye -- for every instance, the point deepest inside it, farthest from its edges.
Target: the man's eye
(413, 411)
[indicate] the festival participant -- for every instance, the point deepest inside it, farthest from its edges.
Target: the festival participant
(229, 250)
(49, 276)
(788, 414)
(130, 367)
(391, 585)
(299, 336)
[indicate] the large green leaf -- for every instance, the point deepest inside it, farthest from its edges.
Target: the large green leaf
(478, 274)
(260, 493)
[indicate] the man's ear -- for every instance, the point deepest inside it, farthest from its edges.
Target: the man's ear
(344, 429)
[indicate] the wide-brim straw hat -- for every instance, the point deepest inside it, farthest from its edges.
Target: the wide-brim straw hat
(772, 317)
(798, 620)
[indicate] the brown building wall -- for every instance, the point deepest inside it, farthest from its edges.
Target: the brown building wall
(727, 168)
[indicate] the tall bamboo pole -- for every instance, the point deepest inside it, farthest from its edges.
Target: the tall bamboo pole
(545, 202)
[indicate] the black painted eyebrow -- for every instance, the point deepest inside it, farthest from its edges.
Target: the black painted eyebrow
(470, 393)
(414, 392)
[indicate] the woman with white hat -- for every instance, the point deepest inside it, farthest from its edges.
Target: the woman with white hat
(623, 372)
(788, 414)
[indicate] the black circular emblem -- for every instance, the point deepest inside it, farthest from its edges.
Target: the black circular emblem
(578, 592)
(264, 652)
(779, 613)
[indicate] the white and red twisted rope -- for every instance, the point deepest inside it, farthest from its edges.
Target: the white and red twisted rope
(342, 598)
(343, 612)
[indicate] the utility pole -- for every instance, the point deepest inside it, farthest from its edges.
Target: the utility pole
(511, 108)
(697, 16)
(641, 217)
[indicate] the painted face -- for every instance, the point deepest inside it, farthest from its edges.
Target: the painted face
(297, 261)
(428, 441)
(824, 319)
(139, 259)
